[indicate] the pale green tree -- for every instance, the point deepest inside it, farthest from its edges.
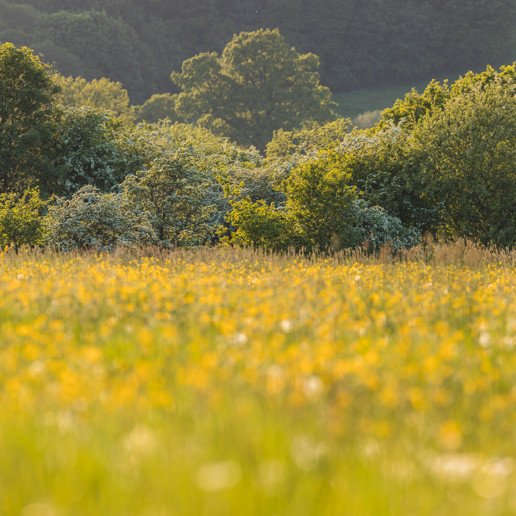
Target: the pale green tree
(158, 107)
(99, 93)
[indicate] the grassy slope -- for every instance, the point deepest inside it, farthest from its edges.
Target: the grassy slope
(355, 102)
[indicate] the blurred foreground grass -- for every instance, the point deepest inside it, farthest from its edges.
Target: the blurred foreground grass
(227, 382)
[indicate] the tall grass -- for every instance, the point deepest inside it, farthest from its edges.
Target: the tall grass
(222, 381)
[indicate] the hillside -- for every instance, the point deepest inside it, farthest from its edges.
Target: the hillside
(360, 44)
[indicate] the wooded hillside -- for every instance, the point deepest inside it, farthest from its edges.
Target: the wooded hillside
(140, 42)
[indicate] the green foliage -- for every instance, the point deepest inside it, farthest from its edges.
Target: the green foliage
(319, 203)
(387, 173)
(21, 219)
(257, 86)
(257, 224)
(88, 152)
(322, 211)
(317, 213)
(26, 118)
(146, 144)
(286, 143)
(102, 45)
(407, 112)
(374, 227)
(156, 108)
(94, 220)
(443, 161)
(414, 106)
(171, 193)
(100, 94)
(469, 162)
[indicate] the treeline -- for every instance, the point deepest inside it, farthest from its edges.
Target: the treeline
(442, 162)
(140, 42)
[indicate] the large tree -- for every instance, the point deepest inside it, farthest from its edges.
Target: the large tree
(26, 115)
(258, 85)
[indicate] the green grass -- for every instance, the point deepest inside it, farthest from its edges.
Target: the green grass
(355, 102)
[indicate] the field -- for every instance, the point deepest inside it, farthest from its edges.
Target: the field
(224, 382)
(352, 103)
(355, 102)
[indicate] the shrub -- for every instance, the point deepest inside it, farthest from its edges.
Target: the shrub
(374, 227)
(95, 220)
(21, 219)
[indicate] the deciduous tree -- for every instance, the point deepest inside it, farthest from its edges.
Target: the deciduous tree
(258, 85)
(26, 117)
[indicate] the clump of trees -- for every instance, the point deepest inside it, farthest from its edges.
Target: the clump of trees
(443, 162)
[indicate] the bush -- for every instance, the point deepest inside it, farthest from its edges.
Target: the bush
(21, 219)
(95, 220)
(374, 227)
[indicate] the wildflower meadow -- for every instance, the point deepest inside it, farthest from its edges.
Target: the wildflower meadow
(229, 382)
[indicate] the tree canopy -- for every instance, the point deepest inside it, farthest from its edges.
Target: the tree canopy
(258, 85)
(101, 94)
(26, 113)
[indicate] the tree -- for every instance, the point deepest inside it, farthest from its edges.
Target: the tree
(257, 86)
(320, 204)
(318, 212)
(101, 94)
(103, 45)
(322, 211)
(26, 117)
(156, 108)
(468, 160)
(171, 193)
(88, 152)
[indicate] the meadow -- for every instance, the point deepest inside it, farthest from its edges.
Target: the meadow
(228, 382)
